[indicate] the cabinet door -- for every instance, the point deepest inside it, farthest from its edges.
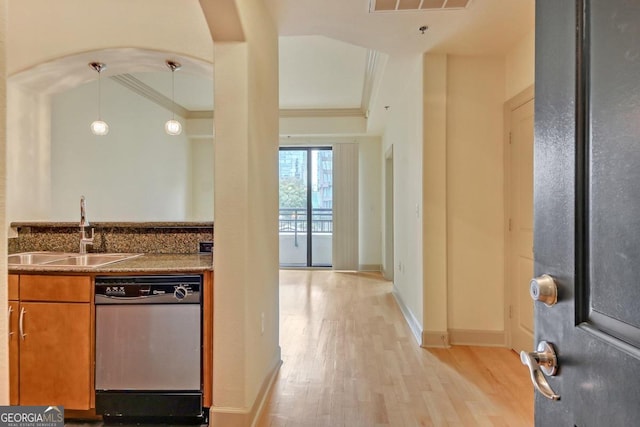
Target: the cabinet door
(14, 281)
(14, 355)
(55, 363)
(49, 288)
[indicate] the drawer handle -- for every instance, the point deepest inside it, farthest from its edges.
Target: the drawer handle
(9, 319)
(22, 334)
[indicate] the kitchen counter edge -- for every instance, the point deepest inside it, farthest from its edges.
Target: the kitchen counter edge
(157, 263)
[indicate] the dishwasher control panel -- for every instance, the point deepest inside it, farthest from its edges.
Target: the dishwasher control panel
(148, 289)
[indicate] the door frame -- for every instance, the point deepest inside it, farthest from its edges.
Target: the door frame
(389, 245)
(512, 104)
(309, 205)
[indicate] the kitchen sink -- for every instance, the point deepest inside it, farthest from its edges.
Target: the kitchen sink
(35, 258)
(64, 259)
(90, 260)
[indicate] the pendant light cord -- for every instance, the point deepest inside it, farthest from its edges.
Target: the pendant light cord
(172, 126)
(99, 127)
(99, 94)
(173, 99)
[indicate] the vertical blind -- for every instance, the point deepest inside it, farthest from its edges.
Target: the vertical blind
(345, 207)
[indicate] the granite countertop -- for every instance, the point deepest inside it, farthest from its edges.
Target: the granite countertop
(146, 263)
(115, 224)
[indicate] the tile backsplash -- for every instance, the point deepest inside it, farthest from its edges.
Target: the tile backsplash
(142, 237)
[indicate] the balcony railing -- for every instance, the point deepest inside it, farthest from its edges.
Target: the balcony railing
(295, 220)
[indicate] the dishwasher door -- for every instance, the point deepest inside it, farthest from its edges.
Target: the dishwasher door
(148, 347)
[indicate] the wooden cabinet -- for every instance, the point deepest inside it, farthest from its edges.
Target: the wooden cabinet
(207, 340)
(51, 341)
(54, 355)
(14, 283)
(14, 336)
(54, 341)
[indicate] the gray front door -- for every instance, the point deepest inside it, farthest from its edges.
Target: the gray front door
(587, 208)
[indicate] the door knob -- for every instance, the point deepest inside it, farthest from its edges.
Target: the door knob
(544, 289)
(540, 363)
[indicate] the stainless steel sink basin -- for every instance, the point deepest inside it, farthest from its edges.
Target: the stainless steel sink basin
(34, 258)
(90, 260)
(65, 259)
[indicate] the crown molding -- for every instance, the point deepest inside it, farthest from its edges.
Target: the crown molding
(322, 112)
(207, 114)
(142, 89)
(370, 79)
(137, 86)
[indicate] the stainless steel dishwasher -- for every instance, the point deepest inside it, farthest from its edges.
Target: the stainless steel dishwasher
(148, 346)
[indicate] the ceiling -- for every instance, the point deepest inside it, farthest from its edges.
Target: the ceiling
(333, 53)
(328, 47)
(318, 72)
(193, 92)
(193, 82)
(485, 27)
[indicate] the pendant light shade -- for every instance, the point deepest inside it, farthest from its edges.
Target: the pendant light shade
(99, 127)
(173, 127)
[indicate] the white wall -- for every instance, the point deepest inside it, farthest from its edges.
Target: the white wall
(4, 329)
(404, 132)
(370, 204)
(475, 200)
(464, 192)
(322, 125)
(520, 65)
(435, 200)
(201, 165)
(28, 169)
(134, 173)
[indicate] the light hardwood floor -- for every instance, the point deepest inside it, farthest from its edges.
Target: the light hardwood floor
(350, 360)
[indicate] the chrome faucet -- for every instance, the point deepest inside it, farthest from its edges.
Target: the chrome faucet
(84, 239)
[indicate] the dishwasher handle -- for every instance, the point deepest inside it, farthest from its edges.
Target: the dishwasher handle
(166, 298)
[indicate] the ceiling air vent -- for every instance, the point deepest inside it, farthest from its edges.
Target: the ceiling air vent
(413, 5)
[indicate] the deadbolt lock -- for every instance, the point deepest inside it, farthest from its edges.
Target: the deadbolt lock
(543, 288)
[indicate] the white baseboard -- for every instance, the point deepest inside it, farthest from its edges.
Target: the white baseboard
(413, 323)
(246, 417)
(435, 339)
(369, 267)
(477, 337)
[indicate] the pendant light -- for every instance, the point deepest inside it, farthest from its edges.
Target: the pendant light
(99, 127)
(173, 127)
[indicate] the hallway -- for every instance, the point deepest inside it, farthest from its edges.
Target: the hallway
(349, 359)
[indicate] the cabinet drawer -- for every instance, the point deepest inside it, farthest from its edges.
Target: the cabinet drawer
(13, 287)
(55, 288)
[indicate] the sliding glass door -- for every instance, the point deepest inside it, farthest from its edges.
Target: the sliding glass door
(306, 206)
